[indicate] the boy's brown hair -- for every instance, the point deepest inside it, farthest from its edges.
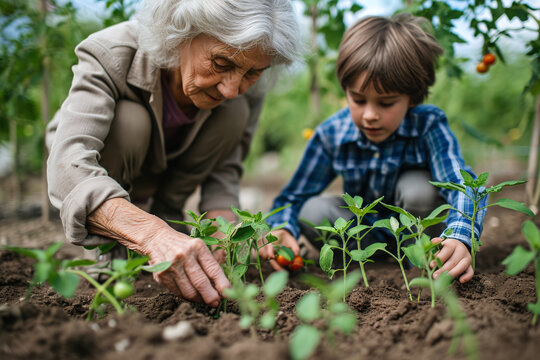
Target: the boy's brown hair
(396, 54)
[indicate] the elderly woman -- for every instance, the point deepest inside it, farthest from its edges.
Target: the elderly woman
(159, 106)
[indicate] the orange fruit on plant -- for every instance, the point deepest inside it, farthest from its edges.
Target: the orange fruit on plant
(481, 67)
(282, 261)
(489, 59)
(296, 264)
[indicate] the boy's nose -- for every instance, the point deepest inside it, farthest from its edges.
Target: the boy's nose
(370, 113)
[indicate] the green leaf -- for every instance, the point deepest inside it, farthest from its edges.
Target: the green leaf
(304, 341)
(400, 211)
(243, 233)
(251, 290)
(349, 200)
(31, 253)
(286, 252)
(467, 178)
(119, 265)
(246, 321)
(343, 322)
(42, 272)
(242, 253)
(242, 213)
(275, 211)
(532, 234)
(433, 221)
(394, 223)
(268, 320)
(438, 210)
(498, 187)
(518, 260)
(51, 250)
(534, 308)
(78, 262)
(355, 230)
(135, 263)
(514, 205)
(157, 267)
(275, 283)
(449, 186)
(415, 253)
(65, 283)
(326, 228)
(420, 282)
(239, 271)
(371, 249)
(326, 258)
(482, 179)
(308, 307)
(209, 240)
(340, 224)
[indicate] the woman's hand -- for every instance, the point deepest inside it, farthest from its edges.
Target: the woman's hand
(284, 238)
(195, 274)
(456, 259)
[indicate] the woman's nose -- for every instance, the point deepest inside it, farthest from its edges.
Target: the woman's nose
(229, 86)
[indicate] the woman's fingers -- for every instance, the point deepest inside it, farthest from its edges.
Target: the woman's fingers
(212, 270)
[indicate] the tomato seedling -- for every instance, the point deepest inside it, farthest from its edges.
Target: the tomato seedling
(325, 308)
(342, 228)
(475, 191)
(520, 258)
(415, 230)
(239, 239)
(51, 270)
(462, 331)
(252, 311)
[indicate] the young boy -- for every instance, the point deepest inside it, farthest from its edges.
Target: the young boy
(385, 143)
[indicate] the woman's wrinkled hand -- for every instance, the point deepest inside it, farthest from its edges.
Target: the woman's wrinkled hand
(194, 274)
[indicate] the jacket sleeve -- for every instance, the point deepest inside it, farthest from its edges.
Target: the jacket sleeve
(78, 184)
(221, 187)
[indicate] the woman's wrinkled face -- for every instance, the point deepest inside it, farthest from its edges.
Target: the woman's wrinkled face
(211, 72)
(377, 115)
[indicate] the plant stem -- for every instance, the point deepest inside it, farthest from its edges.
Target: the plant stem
(405, 278)
(473, 237)
(537, 275)
(363, 274)
(99, 289)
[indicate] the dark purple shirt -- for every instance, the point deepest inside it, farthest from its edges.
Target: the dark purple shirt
(173, 117)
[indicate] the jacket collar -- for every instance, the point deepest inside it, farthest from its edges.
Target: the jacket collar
(143, 73)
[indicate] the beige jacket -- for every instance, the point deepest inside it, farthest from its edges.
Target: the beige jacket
(110, 68)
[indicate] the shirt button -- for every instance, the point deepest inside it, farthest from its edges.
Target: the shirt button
(376, 155)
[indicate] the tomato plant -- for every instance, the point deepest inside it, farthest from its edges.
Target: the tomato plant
(296, 264)
(481, 67)
(122, 289)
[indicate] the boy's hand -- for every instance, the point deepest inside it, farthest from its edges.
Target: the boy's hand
(456, 259)
(284, 238)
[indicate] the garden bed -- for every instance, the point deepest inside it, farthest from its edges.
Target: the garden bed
(390, 326)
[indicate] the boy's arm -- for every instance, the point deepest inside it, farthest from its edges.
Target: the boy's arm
(445, 163)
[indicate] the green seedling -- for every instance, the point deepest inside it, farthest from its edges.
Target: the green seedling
(415, 231)
(51, 270)
(254, 312)
(323, 236)
(462, 331)
(63, 276)
(476, 192)
(342, 229)
(119, 285)
(239, 239)
(324, 306)
(520, 258)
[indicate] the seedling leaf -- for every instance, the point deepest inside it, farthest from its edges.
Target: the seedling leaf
(449, 186)
(133, 264)
(340, 224)
(438, 210)
(304, 341)
(326, 228)
(275, 283)
(268, 320)
(343, 322)
(415, 254)
(246, 321)
(42, 272)
(514, 205)
(239, 271)
(65, 283)
(467, 178)
(157, 267)
(355, 230)
(78, 262)
(498, 187)
(532, 234)
(482, 178)
(420, 282)
(243, 233)
(534, 308)
(275, 211)
(308, 307)
(518, 260)
(326, 258)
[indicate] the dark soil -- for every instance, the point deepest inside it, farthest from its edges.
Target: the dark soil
(47, 326)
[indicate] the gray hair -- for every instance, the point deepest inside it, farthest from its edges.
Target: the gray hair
(241, 24)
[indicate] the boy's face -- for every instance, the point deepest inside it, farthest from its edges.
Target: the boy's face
(377, 115)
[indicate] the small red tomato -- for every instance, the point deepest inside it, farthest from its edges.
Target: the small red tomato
(296, 264)
(282, 261)
(489, 59)
(481, 67)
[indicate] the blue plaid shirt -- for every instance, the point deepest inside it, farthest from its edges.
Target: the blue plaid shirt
(339, 148)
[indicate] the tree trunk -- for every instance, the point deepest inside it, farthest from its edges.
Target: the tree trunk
(314, 87)
(533, 186)
(16, 192)
(45, 118)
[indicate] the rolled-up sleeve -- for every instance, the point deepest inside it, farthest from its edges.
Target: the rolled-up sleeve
(77, 183)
